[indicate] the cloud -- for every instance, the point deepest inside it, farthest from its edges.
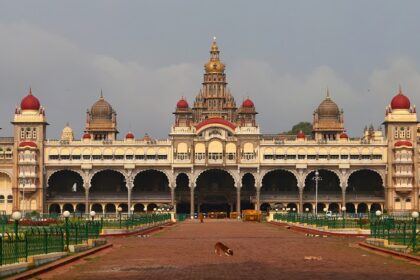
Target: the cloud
(68, 78)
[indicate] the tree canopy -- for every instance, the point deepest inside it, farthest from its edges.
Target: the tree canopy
(306, 127)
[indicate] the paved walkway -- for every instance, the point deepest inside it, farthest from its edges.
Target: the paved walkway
(261, 251)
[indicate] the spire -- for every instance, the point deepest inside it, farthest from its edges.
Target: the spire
(30, 90)
(328, 93)
(102, 95)
(214, 65)
(214, 51)
(400, 92)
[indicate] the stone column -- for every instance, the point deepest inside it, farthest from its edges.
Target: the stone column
(343, 199)
(301, 210)
(238, 199)
(192, 201)
(173, 199)
(129, 189)
(87, 200)
(258, 198)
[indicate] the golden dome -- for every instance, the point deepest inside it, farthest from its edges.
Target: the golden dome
(101, 109)
(328, 108)
(214, 65)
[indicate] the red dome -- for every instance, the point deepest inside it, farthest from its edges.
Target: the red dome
(182, 104)
(400, 101)
(403, 143)
(300, 135)
(344, 136)
(87, 136)
(29, 144)
(30, 102)
(248, 103)
(129, 135)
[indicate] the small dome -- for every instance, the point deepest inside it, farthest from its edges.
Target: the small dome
(129, 135)
(30, 102)
(182, 104)
(28, 144)
(248, 103)
(344, 135)
(101, 109)
(300, 135)
(214, 66)
(400, 101)
(87, 136)
(328, 108)
(402, 143)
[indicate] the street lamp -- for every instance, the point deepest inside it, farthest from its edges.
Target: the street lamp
(66, 215)
(415, 215)
(343, 212)
(119, 209)
(16, 216)
(132, 210)
(23, 182)
(316, 178)
(92, 215)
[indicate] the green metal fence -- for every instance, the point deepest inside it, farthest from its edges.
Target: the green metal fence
(400, 232)
(135, 220)
(339, 221)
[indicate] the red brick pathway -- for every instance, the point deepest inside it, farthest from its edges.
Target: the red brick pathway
(261, 251)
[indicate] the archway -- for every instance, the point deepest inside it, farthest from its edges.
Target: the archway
(151, 207)
(216, 188)
(65, 183)
(138, 207)
(68, 207)
(334, 207)
(6, 192)
(248, 191)
(280, 182)
(307, 207)
(362, 208)
(54, 209)
(365, 185)
(182, 193)
(329, 189)
(124, 207)
(265, 207)
(375, 207)
(108, 183)
(320, 207)
(97, 208)
(292, 207)
(350, 208)
(110, 208)
(81, 208)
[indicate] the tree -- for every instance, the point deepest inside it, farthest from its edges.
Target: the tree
(306, 127)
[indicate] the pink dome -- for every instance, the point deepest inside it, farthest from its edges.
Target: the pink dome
(248, 103)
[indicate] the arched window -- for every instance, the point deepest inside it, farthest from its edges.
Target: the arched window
(1, 198)
(10, 199)
(397, 199)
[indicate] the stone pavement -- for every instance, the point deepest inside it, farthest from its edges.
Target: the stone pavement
(261, 251)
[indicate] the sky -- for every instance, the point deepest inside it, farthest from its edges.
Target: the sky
(145, 55)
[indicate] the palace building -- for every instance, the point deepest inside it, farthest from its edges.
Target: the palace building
(215, 159)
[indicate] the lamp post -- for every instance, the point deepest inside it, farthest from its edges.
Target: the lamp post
(16, 216)
(415, 215)
(66, 215)
(316, 178)
(92, 215)
(23, 182)
(119, 209)
(343, 212)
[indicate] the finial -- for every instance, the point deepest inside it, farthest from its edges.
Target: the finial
(30, 90)
(67, 124)
(214, 38)
(102, 96)
(328, 93)
(400, 89)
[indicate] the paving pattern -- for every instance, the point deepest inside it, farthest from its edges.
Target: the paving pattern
(261, 251)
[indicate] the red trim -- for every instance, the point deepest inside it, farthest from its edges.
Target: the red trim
(318, 232)
(28, 144)
(402, 143)
(215, 121)
(390, 252)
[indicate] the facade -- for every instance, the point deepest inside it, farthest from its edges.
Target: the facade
(215, 159)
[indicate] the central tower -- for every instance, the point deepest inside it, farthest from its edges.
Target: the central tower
(214, 99)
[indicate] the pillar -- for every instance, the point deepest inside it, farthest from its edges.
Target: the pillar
(145, 207)
(300, 206)
(343, 198)
(87, 200)
(129, 189)
(258, 198)
(192, 202)
(238, 199)
(173, 199)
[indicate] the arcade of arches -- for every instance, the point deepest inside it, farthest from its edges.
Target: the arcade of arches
(214, 190)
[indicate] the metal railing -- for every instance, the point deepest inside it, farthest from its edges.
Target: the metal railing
(136, 220)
